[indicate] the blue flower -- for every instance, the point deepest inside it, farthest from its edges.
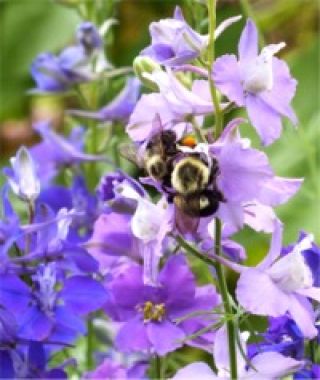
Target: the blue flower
(73, 65)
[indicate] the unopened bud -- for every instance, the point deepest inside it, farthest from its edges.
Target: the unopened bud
(184, 79)
(145, 65)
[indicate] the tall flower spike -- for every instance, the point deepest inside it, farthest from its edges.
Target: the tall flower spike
(23, 177)
(260, 82)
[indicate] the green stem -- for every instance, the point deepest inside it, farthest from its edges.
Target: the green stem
(211, 58)
(187, 247)
(157, 368)
(222, 284)
(31, 212)
(231, 328)
(90, 344)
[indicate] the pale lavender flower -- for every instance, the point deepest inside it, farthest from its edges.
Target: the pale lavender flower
(260, 82)
(285, 282)
(247, 182)
(150, 224)
(23, 177)
(175, 103)
(174, 42)
(267, 365)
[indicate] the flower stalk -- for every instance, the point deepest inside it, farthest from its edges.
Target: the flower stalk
(222, 283)
(231, 329)
(211, 58)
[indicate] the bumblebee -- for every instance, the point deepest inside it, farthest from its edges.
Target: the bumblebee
(200, 204)
(194, 181)
(188, 178)
(160, 151)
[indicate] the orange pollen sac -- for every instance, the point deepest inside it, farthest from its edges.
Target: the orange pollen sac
(189, 141)
(152, 312)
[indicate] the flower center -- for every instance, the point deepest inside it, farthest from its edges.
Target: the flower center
(291, 272)
(46, 294)
(152, 312)
(258, 75)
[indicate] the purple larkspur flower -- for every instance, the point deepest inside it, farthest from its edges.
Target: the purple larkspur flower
(45, 312)
(120, 192)
(110, 369)
(266, 365)
(10, 222)
(120, 108)
(248, 183)
(28, 362)
(283, 336)
(174, 42)
(112, 243)
(57, 73)
(88, 36)
(260, 82)
(50, 232)
(310, 372)
(312, 257)
(175, 103)
(149, 312)
(79, 200)
(285, 281)
(56, 151)
(23, 177)
(151, 224)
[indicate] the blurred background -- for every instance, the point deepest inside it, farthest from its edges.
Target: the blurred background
(29, 27)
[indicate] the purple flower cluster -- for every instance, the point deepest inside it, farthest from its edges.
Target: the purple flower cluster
(91, 254)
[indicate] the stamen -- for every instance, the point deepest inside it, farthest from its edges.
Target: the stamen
(152, 312)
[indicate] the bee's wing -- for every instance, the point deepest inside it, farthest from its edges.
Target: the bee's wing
(130, 152)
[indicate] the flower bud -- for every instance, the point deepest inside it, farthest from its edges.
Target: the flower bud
(22, 177)
(146, 65)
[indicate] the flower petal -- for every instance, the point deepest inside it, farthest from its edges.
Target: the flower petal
(179, 283)
(312, 292)
(275, 247)
(196, 370)
(264, 298)
(226, 75)
(272, 365)
(302, 313)
(165, 336)
(279, 190)
(132, 337)
(83, 294)
(283, 90)
(264, 119)
(128, 288)
(248, 44)
(35, 325)
(242, 172)
(14, 293)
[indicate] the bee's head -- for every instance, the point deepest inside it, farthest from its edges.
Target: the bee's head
(156, 167)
